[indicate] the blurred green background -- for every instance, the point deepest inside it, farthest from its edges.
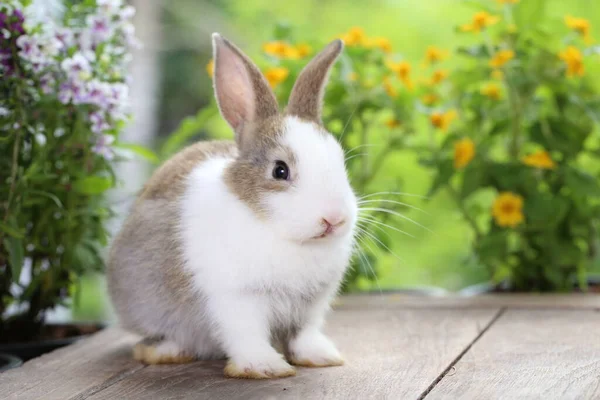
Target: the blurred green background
(438, 259)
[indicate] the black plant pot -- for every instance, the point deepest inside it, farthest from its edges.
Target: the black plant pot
(26, 351)
(8, 361)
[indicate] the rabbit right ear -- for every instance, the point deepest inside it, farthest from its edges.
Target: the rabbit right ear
(243, 94)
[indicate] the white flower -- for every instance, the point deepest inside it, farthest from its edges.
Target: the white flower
(110, 7)
(129, 35)
(40, 138)
(77, 66)
(47, 83)
(4, 111)
(58, 132)
(99, 124)
(65, 36)
(30, 49)
(126, 12)
(44, 12)
(98, 93)
(100, 28)
(102, 146)
(72, 91)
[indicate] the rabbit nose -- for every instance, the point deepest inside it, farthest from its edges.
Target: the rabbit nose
(333, 221)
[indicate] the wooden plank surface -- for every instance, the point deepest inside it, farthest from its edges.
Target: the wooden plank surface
(392, 354)
(538, 301)
(82, 368)
(530, 354)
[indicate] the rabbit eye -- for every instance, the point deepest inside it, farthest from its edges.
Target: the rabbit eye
(281, 171)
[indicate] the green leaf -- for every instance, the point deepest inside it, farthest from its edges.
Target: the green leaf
(188, 128)
(562, 135)
(582, 183)
(511, 176)
(493, 247)
(529, 12)
(141, 151)
(545, 211)
(474, 178)
(52, 197)
(11, 230)
(16, 256)
(91, 185)
(445, 172)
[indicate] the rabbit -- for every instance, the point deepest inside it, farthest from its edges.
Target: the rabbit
(235, 250)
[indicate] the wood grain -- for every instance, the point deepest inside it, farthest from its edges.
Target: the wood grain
(537, 301)
(77, 370)
(392, 354)
(530, 354)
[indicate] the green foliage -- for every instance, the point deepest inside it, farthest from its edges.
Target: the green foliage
(528, 119)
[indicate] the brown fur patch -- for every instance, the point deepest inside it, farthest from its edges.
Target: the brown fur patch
(247, 177)
(168, 181)
(307, 95)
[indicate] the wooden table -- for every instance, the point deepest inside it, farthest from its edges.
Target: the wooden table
(396, 347)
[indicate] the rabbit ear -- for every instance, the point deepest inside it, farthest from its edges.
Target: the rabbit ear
(307, 95)
(243, 94)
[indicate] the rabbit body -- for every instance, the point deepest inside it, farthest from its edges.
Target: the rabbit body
(231, 252)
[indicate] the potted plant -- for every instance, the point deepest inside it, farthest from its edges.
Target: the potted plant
(521, 160)
(64, 100)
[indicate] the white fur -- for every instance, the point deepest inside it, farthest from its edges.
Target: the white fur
(262, 275)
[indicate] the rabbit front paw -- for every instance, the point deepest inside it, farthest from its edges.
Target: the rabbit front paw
(314, 349)
(275, 367)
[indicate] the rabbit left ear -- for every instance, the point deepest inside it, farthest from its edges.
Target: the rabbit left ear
(307, 95)
(243, 94)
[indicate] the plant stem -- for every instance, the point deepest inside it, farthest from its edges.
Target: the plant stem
(464, 211)
(516, 120)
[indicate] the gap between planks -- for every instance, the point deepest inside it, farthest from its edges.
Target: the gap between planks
(462, 353)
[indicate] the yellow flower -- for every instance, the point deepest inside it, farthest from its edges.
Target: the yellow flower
(574, 60)
(507, 209)
(434, 54)
(210, 68)
(430, 99)
(501, 58)
(402, 69)
(380, 42)
(389, 88)
(508, 1)
(392, 123)
(464, 151)
(276, 75)
(354, 37)
(442, 120)
(491, 90)
(540, 159)
(303, 50)
(352, 76)
(481, 21)
(497, 74)
(581, 26)
(438, 76)
(281, 49)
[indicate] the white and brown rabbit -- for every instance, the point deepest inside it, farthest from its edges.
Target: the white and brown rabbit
(236, 249)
